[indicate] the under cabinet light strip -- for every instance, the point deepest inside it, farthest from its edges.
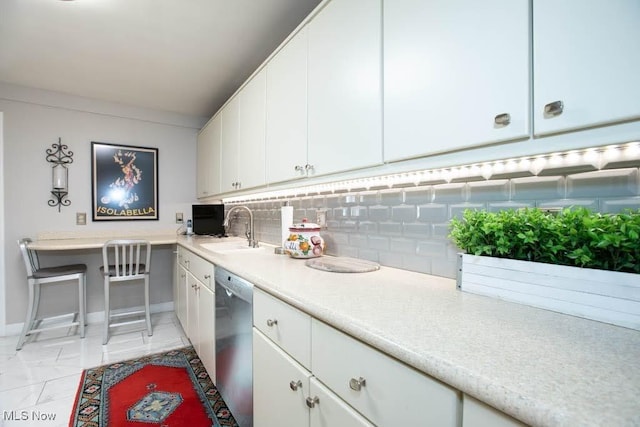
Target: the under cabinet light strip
(590, 158)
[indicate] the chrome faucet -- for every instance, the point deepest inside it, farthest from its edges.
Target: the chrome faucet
(250, 232)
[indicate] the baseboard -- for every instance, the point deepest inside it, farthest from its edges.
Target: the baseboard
(96, 317)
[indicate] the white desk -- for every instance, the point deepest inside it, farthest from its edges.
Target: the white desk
(96, 242)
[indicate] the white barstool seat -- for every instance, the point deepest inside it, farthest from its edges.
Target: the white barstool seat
(125, 261)
(38, 276)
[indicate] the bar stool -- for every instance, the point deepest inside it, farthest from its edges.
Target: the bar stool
(38, 276)
(125, 261)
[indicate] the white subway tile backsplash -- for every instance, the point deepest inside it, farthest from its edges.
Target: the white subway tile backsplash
(379, 213)
(435, 212)
(404, 213)
(409, 227)
(605, 183)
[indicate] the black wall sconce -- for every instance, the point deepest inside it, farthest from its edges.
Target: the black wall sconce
(60, 174)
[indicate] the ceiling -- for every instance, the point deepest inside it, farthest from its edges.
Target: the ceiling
(183, 56)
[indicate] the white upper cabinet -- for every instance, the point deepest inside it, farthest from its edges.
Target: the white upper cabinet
(586, 63)
(208, 159)
(286, 146)
(243, 137)
(456, 74)
(229, 145)
(251, 141)
(344, 86)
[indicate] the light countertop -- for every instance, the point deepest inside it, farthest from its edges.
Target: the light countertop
(541, 367)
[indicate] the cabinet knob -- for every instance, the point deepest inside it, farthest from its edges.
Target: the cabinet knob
(553, 109)
(503, 119)
(193, 286)
(293, 385)
(308, 167)
(272, 322)
(312, 401)
(207, 276)
(299, 168)
(357, 384)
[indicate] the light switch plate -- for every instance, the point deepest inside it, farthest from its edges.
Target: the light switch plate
(81, 218)
(179, 218)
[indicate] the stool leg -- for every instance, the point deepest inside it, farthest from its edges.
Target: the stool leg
(31, 314)
(107, 312)
(81, 302)
(146, 305)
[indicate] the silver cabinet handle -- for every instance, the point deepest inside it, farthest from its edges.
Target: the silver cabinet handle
(271, 323)
(357, 384)
(299, 168)
(193, 286)
(312, 401)
(502, 119)
(293, 385)
(308, 167)
(207, 276)
(553, 109)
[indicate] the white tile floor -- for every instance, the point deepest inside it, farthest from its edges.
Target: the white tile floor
(38, 384)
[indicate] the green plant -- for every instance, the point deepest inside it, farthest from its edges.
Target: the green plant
(575, 236)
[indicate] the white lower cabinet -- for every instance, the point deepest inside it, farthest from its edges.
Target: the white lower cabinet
(386, 391)
(195, 306)
(280, 386)
(328, 410)
(348, 384)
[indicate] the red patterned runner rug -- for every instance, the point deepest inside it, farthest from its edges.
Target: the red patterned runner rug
(169, 389)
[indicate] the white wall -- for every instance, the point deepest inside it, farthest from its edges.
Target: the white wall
(33, 121)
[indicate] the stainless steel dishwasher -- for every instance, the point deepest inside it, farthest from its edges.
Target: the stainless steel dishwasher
(234, 321)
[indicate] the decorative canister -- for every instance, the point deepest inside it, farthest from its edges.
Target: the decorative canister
(304, 240)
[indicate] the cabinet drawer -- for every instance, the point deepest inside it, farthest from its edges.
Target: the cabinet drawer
(183, 257)
(391, 393)
(201, 270)
(330, 411)
(287, 326)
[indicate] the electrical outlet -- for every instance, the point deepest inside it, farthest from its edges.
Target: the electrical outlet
(81, 218)
(321, 218)
(179, 218)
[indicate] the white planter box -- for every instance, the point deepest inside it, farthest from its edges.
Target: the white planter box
(607, 296)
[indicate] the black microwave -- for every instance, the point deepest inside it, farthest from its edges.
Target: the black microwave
(208, 219)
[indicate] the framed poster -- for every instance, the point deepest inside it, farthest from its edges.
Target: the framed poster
(125, 182)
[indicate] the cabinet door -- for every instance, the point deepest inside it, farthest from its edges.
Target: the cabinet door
(586, 55)
(287, 111)
(192, 310)
(208, 159)
(251, 134)
(331, 411)
(451, 69)
(181, 300)
(229, 146)
(345, 95)
(206, 330)
(280, 386)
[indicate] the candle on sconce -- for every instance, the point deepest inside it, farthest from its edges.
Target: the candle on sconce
(59, 177)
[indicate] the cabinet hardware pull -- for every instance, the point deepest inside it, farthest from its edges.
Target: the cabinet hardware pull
(312, 401)
(308, 167)
(299, 168)
(207, 276)
(293, 385)
(553, 109)
(270, 322)
(193, 286)
(357, 384)
(503, 119)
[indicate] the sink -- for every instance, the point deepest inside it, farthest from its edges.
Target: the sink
(227, 247)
